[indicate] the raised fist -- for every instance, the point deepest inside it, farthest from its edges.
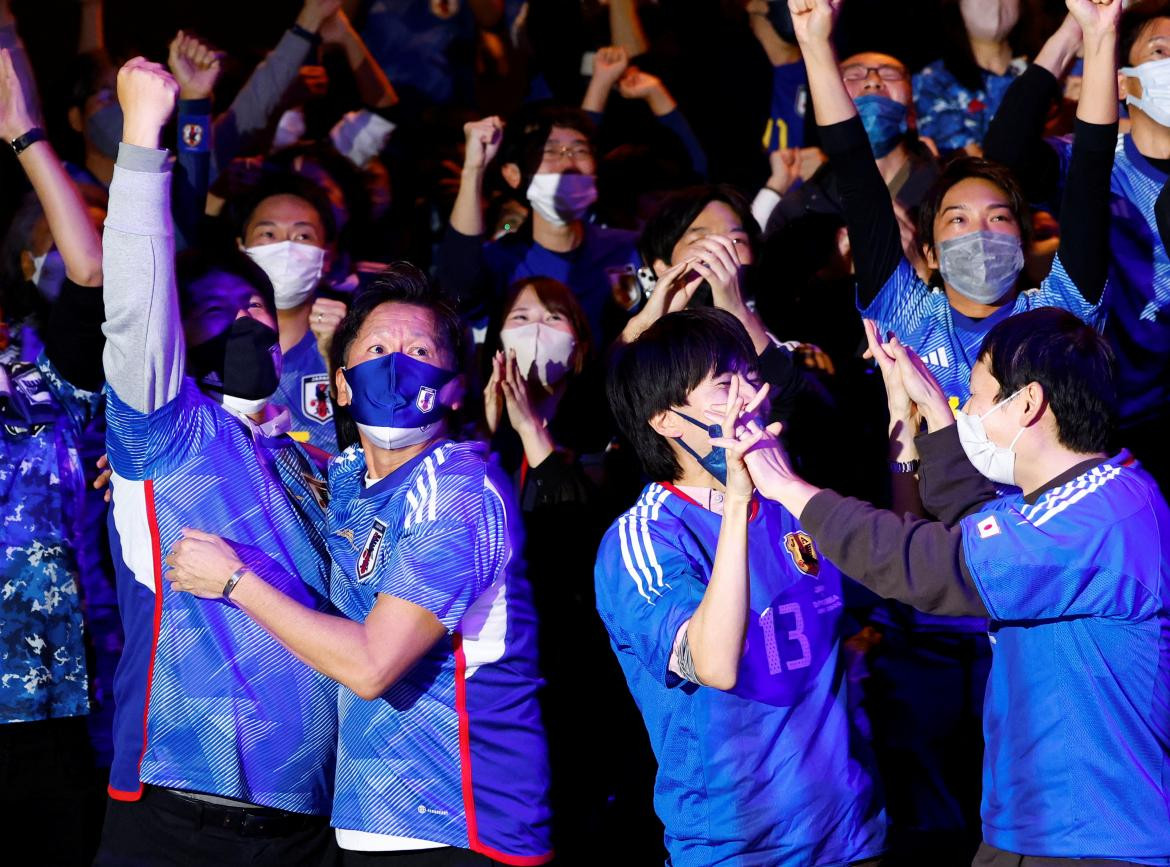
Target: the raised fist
(195, 66)
(608, 65)
(147, 94)
(483, 139)
(812, 20)
(314, 12)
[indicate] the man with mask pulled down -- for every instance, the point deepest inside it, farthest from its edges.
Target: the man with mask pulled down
(550, 160)
(223, 740)
(1073, 573)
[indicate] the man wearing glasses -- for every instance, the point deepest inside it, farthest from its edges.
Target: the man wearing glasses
(548, 158)
(880, 87)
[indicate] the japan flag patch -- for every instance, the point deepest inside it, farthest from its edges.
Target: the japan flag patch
(988, 527)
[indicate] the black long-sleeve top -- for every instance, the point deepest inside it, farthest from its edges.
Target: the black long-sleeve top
(875, 241)
(73, 335)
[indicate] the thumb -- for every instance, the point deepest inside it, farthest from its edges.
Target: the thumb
(774, 428)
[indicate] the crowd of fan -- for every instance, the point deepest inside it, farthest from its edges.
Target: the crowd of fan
(539, 164)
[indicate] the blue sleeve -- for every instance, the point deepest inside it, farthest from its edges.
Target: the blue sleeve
(1059, 558)
(646, 589)
(192, 170)
(900, 304)
(456, 542)
(143, 445)
(1059, 290)
(677, 124)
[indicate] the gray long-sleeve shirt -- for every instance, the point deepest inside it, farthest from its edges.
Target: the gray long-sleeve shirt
(251, 111)
(145, 354)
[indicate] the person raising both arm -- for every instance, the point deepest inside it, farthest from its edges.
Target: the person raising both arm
(973, 223)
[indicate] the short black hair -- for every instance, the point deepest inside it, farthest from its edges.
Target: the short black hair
(283, 184)
(960, 168)
(196, 263)
(527, 133)
(404, 283)
(1071, 361)
(1133, 21)
(679, 209)
(664, 365)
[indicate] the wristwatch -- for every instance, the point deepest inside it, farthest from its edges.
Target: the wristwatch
(905, 467)
(31, 137)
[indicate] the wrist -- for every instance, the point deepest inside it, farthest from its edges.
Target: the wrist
(309, 24)
(233, 581)
(145, 135)
(193, 93)
(661, 102)
(937, 416)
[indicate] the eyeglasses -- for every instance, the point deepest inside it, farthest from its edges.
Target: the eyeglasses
(860, 72)
(578, 151)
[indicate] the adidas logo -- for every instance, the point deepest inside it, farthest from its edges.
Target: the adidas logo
(937, 358)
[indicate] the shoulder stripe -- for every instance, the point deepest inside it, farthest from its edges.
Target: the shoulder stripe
(636, 573)
(434, 482)
(1079, 495)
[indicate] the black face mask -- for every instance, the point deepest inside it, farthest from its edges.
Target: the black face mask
(242, 361)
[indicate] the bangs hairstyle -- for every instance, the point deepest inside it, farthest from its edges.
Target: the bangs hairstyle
(662, 367)
(526, 135)
(680, 209)
(1133, 23)
(284, 184)
(557, 298)
(195, 264)
(960, 168)
(1071, 362)
(401, 283)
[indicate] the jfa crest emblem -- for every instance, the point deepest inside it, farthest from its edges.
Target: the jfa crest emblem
(315, 402)
(426, 399)
(192, 134)
(368, 558)
(803, 552)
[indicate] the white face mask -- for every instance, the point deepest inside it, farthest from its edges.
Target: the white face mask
(49, 274)
(241, 406)
(293, 267)
(550, 349)
(1154, 76)
(562, 198)
(997, 463)
(290, 129)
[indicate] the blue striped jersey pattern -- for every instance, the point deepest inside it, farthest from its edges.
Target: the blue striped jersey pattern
(1077, 714)
(454, 751)
(921, 317)
(771, 772)
(304, 389)
(1138, 301)
(205, 699)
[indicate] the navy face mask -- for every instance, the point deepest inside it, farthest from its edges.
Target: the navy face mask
(715, 461)
(104, 128)
(395, 399)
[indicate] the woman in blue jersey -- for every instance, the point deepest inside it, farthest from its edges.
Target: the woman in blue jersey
(441, 753)
(727, 623)
(972, 227)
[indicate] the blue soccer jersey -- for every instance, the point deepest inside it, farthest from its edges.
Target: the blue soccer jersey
(304, 389)
(1077, 715)
(206, 700)
(771, 772)
(454, 751)
(922, 318)
(1138, 302)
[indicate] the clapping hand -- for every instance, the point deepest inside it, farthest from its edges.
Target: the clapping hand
(15, 118)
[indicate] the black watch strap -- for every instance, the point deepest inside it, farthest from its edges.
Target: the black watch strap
(308, 35)
(31, 137)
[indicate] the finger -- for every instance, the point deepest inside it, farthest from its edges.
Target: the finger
(199, 535)
(760, 396)
(775, 428)
(720, 250)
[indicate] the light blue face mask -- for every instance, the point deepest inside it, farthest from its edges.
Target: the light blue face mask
(715, 461)
(994, 462)
(982, 266)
